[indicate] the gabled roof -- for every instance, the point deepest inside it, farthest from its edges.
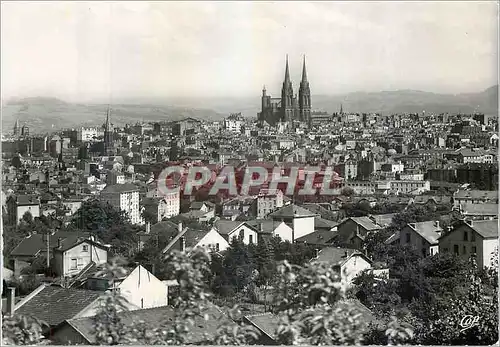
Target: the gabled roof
(364, 222)
(292, 211)
(320, 223)
(25, 200)
(196, 205)
(191, 239)
(487, 229)
(154, 318)
(120, 188)
(225, 227)
(429, 230)
(265, 226)
(319, 237)
(55, 304)
(266, 323)
(338, 255)
(383, 219)
(480, 209)
(476, 194)
(31, 245)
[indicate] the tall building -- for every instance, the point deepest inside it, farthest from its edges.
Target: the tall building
(124, 197)
(17, 128)
(304, 96)
(289, 107)
(108, 135)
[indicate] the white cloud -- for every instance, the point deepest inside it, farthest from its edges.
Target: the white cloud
(83, 50)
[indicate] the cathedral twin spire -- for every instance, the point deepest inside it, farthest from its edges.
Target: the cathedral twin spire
(289, 100)
(287, 71)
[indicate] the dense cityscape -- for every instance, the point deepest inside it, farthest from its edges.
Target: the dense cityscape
(297, 226)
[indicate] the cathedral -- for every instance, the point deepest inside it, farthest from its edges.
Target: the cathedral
(288, 107)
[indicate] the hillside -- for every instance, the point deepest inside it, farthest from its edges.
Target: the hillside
(46, 114)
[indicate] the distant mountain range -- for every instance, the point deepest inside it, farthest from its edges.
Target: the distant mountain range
(44, 114)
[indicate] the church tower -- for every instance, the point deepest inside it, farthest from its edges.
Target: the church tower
(17, 129)
(108, 133)
(304, 96)
(287, 96)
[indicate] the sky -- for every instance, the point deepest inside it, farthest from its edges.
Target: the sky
(110, 50)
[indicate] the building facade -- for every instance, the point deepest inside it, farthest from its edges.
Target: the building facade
(288, 107)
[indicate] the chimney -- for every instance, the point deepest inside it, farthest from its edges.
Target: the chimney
(59, 242)
(179, 227)
(261, 227)
(183, 243)
(153, 269)
(316, 252)
(148, 227)
(436, 224)
(345, 254)
(11, 300)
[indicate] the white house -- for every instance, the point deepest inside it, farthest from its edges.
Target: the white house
(350, 263)
(236, 229)
(298, 218)
(472, 238)
(272, 228)
(72, 255)
(188, 238)
(139, 287)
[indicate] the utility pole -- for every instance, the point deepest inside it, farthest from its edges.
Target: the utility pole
(48, 249)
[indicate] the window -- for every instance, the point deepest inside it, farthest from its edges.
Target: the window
(455, 249)
(408, 237)
(466, 237)
(85, 248)
(216, 247)
(241, 235)
(473, 237)
(250, 238)
(142, 303)
(464, 250)
(73, 264)
(474, 250)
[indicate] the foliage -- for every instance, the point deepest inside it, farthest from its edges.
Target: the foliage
(235, 334)
(110, 225)
(379, 295)
(22, 330)
(347, 191)
(95, 215)
(108, 326)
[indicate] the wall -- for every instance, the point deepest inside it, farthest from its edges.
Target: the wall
(212, 238)
(246, 234)
(303, 226)
(484, 248)
(284, 232)
(95, 254)
(488, 247)
(33, 209)
(142, 289)
(67, 335)
(353, 267)
(416, 241)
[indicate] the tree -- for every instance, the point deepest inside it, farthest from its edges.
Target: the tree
(109, 225)
(95, 215)
(27, 217)
(347, 191)
(22, 330)
(379, 295)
